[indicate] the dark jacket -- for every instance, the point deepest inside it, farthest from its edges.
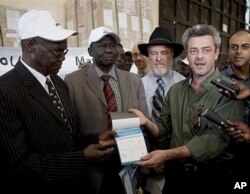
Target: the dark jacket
(35, 143)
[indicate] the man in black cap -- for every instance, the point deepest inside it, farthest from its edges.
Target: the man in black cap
(161, 51)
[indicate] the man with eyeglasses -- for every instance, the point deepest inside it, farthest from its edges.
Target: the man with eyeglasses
(199, 158)
(56, 53)
(39, 141)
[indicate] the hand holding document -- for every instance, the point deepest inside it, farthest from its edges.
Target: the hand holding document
(130, 140)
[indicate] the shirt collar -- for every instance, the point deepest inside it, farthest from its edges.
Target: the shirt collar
(231, 74)
(111, 72)
(229, 71)
(40, 77)
(207, 83)
(165, 78)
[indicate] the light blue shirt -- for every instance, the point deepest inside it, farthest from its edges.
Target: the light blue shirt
(150, 85)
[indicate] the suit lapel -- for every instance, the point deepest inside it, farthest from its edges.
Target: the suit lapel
(124, 88)
(36, 90)
(94, 84)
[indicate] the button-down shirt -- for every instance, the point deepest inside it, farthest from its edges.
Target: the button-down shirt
(150, 85)
(204, 141)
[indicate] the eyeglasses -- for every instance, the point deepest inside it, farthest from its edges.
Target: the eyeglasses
(57, 54)
(195, 51)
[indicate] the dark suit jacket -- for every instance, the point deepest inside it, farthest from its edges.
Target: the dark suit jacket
(89, 101)
(35, 143)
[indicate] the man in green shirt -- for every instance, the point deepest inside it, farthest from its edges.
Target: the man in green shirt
(199, 158)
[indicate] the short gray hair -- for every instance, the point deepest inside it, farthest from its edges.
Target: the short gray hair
(201, 30)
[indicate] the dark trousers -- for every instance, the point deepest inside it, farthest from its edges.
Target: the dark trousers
(111, 182)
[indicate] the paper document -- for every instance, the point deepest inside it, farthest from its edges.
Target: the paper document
(130, 140)
(123, 120)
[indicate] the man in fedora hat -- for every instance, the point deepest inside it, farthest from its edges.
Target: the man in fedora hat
(161, 51)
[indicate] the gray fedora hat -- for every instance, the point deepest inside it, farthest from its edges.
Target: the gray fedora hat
(161, 36)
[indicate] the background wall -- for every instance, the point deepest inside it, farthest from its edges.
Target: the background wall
(132, 20)
(56, 7)
(226, 15)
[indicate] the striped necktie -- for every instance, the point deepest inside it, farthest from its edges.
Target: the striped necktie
(157, 100)
(110, 98)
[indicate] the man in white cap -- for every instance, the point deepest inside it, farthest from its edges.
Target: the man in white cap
(39, 139)
(87, 91)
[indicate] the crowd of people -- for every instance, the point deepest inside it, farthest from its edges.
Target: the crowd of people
(60, 132)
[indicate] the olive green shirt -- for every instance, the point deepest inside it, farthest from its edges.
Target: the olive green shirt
(180, 120)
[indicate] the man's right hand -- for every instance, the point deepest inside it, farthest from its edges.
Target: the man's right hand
(96, 152)
(143, 119)
(239, 131)
(243, 94)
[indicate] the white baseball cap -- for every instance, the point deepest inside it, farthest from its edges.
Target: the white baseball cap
(41, 23)
(98, 33)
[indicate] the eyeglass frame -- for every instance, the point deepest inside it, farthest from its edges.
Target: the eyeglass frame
(57, 54)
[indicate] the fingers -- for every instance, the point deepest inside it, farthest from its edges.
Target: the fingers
(132, 110)
(146, 157)
(135, 111)
(95, 146)
(226, 93)
(238, 135)
(111, 133)
(108, 143)
(108, 151)
(233, 132)
(233, 123)
(143, 164)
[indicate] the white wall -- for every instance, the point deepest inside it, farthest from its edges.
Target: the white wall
(55, 7)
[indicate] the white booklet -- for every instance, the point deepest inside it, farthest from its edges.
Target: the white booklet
(130, 140)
